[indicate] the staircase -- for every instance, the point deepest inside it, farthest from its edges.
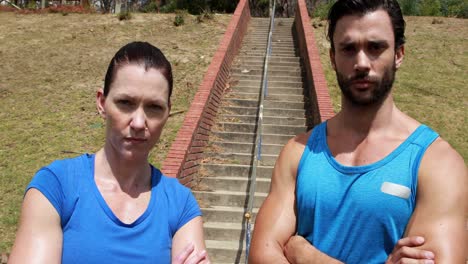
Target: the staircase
(224, 185)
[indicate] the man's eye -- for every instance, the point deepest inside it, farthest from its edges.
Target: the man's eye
(155, 107)
(375, 47)
(348, 49)
(124, 102)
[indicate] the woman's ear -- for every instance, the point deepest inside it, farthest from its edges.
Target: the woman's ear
(100, 102)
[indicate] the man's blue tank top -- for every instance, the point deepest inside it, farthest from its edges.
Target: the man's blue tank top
(357, 214)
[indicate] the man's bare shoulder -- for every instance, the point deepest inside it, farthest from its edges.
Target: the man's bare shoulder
(442, 164)
(298, 142)
(288, 160)
(441, 153)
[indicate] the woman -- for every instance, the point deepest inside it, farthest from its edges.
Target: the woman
(113, 206)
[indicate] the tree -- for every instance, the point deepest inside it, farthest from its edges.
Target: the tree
(409, 7)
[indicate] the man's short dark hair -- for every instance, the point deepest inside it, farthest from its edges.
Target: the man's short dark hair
(361, 7)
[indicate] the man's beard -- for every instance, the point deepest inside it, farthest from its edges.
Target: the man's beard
(381, 87)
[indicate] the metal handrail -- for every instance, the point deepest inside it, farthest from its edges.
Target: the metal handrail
(258, 138)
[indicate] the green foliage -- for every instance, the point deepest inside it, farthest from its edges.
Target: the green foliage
(179, 18)
(409, 7)
(455, 8)
(170, 7)
(150, 7)
(195, 7)
(198, 7)
(31, 5)
(226, 6)
(321, 9)
(429, 8)
(205, 15)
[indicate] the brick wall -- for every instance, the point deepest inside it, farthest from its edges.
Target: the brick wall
(186, 151)
(320, 103)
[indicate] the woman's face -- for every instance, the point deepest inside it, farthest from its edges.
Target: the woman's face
(136, 109)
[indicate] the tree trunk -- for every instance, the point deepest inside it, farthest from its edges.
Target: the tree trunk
(118, 6)
(84, 3)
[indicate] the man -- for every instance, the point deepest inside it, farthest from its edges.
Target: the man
(370, 185)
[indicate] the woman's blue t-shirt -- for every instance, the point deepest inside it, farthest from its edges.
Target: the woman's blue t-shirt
(91, 231)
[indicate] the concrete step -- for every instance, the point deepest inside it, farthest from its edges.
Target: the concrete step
(259, 67)
(212, 170)
(228, 198)
(242, 62)
(226, 214)
(272, 84)
(247, 148)
(272, 97)
(238, 184)
(268, 129)
(267, 111)
(275, 51)
(271, 77)
(262, 52)
(249, 137)
(224, 230)
(270, 91)
(294, 71)
(263, 40)
(262, 46)
(227, 251)
(254, 72)
(267, 120)
(239, 158)
(274, 60)
(232, 102)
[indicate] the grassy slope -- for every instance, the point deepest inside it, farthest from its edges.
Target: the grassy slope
(51, 66)
(431, 86)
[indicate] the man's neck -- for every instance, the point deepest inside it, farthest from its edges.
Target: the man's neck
(365, 119)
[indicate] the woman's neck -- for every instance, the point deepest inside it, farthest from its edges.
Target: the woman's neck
(130, 174)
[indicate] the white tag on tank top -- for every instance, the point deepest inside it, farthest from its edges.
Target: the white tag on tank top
(396, 190)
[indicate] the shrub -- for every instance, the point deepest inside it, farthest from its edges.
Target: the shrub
(124, 15)
(169, 7)
(409, 7)
(179, 18)
(205, 15)
(429, 8)
(455, 8)
(150, 7)
(31, 5)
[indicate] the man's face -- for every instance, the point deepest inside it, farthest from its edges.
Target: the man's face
(364, 59)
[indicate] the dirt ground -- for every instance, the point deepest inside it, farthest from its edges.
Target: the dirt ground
(50, 68)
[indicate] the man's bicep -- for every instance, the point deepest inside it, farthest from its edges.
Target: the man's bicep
(274, 225)
(276, 219)
(441, 206)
